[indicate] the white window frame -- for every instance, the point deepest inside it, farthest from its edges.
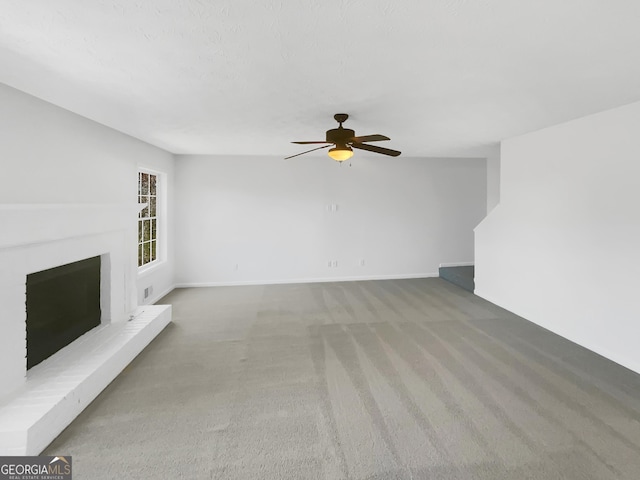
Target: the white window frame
(156, 236)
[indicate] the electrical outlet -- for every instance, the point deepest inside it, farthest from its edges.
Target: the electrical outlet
(329, 263)
(362, 262)
(334, 263)
(148, 291)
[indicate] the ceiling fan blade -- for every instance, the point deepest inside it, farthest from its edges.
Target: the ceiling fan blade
(309, 143)
(370, 138)
(371, 148)
(312, 150)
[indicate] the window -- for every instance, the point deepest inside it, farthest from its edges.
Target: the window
(147, 218)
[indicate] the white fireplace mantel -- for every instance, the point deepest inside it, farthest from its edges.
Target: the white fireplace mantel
(28, 224)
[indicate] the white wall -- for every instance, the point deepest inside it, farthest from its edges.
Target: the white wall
(49, 155)
(402, 216)
(493, 179)
(563, 247)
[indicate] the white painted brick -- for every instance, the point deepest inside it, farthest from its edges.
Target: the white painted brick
(42, 402)
(14, 444)
(38, 237)
(47, 404)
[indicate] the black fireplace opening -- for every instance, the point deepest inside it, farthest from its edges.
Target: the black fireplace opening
(62, 304)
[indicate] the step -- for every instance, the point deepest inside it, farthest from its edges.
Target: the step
(461, 276)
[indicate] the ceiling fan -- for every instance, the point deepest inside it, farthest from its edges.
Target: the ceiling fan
(344, 140)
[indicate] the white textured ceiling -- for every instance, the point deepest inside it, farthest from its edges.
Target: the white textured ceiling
(440, 77)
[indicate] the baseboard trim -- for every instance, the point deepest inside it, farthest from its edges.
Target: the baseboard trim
(457, 264)
(306, 280)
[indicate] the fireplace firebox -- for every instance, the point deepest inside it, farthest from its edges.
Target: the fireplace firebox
(62, 304)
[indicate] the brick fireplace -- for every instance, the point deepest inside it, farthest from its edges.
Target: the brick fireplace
(37, 404)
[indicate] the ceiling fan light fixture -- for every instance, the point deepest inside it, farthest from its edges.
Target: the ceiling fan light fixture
(343, 139)
(340, 153)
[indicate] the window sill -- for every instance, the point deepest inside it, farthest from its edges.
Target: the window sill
(150, 268)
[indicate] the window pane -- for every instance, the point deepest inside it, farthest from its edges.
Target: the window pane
(147, 252)
(152, 184)
(152, 206)
(147, 230)
(140, 227)
(145, 211)
(140, 255)
(145, 184)
(153, 251)
(139, 183)
(153, 230)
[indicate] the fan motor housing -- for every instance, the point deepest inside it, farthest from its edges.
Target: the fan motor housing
(340, 135)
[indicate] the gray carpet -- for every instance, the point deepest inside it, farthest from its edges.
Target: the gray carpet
(360, 380)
